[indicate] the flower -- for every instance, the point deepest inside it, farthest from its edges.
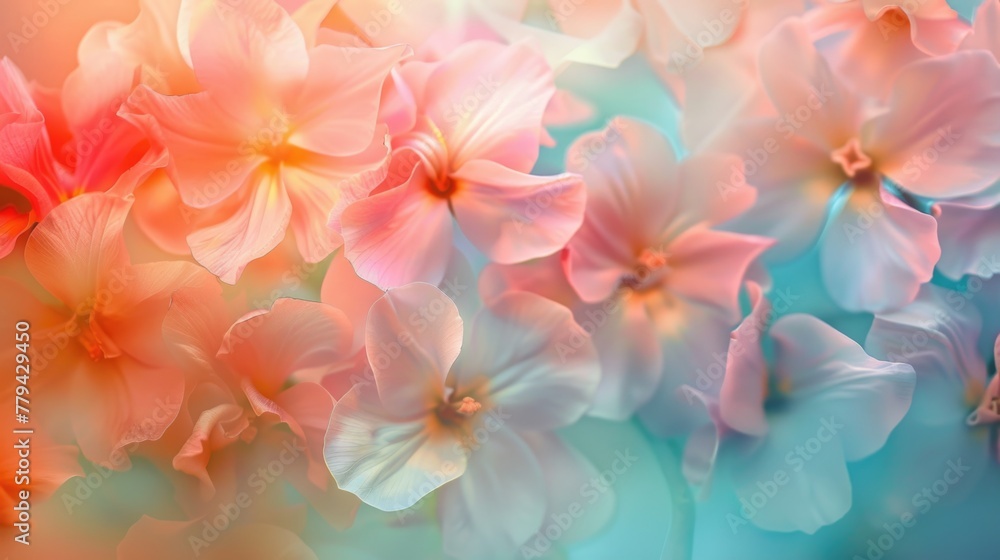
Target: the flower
(474, 418)
(276, 125)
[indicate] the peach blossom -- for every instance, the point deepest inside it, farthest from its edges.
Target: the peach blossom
(650, 259)
(100, 361)
(277, 123)
(820, 141)
(467, 159)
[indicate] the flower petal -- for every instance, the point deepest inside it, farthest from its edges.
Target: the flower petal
(414, 335)
(877, 252)
(513, 217)
(544, 374)
(387, 461)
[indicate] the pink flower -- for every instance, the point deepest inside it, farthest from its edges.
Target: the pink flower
(100, 361)
(30, 187)
(467, 160)
(814, 390)
(650, 261)
(875, 39)
(877, 249)
(474, 418)
(250, 387)
(277, 125)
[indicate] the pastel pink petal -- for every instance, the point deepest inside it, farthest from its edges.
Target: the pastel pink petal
(77, 244)
(397, 107)
(567, 109)
(791, 202)
(399, 236)
(795, 76)
(512, 216)
(942, 348)
(255, 49)
(209, 159)
(630, 200)
(412, 349)
(344, 289)
(630, 354)
(830, 18)
(339, 103)
(872, 54)
(713, 188)
(938, 139)
(710, 266)
(215, 428)
(308, 15)
(269, 347)
(968, 233)
(505, 473)
(488, 100)
(320, 187)
(877, 252)
(544, 277)
(413, 24)
(694, 18)
(745, 385)
(544, 376)
(830, 374)
(985, 30)
(254, 227)
(939, 36)
(386, 459)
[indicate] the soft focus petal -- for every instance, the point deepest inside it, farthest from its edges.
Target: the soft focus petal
(939, 139)
(939, 339)
(267, 347)
(831, 377)
(512, 216)
(505, 474)
(399, 236)
(388, 461)
(877, 252)
(544, 374)
(413, 337)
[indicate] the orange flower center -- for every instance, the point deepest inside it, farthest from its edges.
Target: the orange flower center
(650, 271)
(458, 413)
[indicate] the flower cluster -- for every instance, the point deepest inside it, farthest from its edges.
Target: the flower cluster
(291, 256)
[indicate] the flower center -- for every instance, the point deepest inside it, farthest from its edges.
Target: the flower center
(650, 270)
(459, 412)
(852, 159)
(429, 146)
